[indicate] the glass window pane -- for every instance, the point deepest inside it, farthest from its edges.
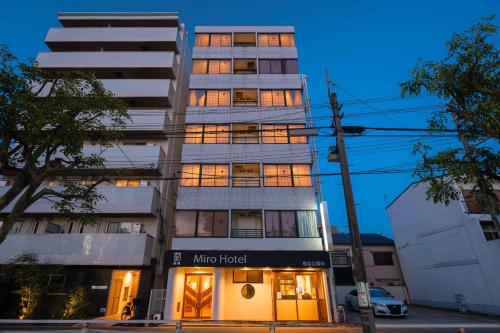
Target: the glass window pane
(245, 97)
(291, 66)
(287, 40)
(272, 224)
(223, 134)
(113, 228)
(266, 98)
(245, 66)
(199, 66)
(212, 98)
(213, 67)
(288, 224)
(207, 175)
(306, 221)
(267, 134)
(244, 39)
(225, 40)
(263, 40)
(184, 223)
(197, 98)
(205, 224)
(281, 134)
(220, 224)
(210, 135)
(276, 67)
(270, 175)
(225, 66)
(293, 98)
(302, 175)
(240, 276)
(246, 224)
(284, 175)
(221, 175)
(246, 175)
(278, 98)
(190, 175)
(121, 182)
(297, 139)
(306, 286)
(201, 39)
(274, 40)
(264, 67)
(133, 183)
(215, 40)
(193, 133)
(243, 133)
(224, 98)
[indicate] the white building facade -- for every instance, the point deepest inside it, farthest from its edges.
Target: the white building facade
(144, 59)
(245, 244)
(448, 254)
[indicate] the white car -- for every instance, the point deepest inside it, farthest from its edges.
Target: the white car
(383, 303)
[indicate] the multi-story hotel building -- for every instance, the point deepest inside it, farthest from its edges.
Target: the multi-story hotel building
(245, 244)
(144, 59)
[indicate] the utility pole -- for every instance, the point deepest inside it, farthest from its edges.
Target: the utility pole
(359, 271)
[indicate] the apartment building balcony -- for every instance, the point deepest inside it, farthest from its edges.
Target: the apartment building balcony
(149, 93)
(81, 249)
(146, 122)
(244, 52)
(111, 65)
(228, 81)
(253, 114)
(114, 39)
(268, 198)
(246, 153)
(122, 19)
(140, 159)
(249, 244)
(132, 201)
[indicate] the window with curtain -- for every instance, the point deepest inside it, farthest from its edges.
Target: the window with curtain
(307, 224)
(274, 134)
(212, 224)
(185, 223)
(194, 134)
(291, 66)
(301, 175)
(246, 224)
(281, 224)
(278, 66)
(222, 66)
(293, 97)
(209, 97)
(277, 175)
(200, 66)
(201, 40)
(197, 97)
(280, 98)
(287, 40)
(190, 175)
(214, 175)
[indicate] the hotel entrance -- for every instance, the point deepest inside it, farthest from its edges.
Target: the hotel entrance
(123, 289)
(299, 296)
(197, 301)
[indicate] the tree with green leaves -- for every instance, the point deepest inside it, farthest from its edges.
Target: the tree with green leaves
(46, 117)
(468, 81)
(76, 304)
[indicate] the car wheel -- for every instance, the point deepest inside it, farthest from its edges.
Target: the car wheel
(349, 306)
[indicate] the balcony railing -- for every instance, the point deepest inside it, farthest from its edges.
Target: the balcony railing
(246, 233)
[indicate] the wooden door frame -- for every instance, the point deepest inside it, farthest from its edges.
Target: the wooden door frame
(199, 282)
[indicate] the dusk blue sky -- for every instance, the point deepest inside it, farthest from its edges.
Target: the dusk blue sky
(369, 47)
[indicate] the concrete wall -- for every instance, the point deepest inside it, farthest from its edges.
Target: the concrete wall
(443, 253)
(255, 244)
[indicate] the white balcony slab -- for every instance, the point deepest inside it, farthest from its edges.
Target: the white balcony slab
(114, 38)
(278, 198)
(248, 244)
(109, 64)
(81, 249)
(244, 52)
(229, 81)
(241, 153)
(228, 115)
(138, 157)
(133, 201)
(125, 19)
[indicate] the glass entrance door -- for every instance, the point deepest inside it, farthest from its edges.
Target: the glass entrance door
(197, 303)
(299, 296)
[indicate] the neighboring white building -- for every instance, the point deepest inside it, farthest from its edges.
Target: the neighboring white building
(245, 241)
(449, 254)
(144, 59)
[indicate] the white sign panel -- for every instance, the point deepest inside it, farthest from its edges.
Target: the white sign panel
(363, 294)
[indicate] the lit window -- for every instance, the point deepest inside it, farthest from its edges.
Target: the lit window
(246, 224)
(301, 175)
(245, 97)
(127, 182)
(194, 134)
(201, 39)
(244, 39)
(297, 139)
(293, 98)
(214, 175)
(274, 134)
(246, 175)
(245, 133)
(245, 66)
(277, 175)
(280, 98)
(190, 175)
(248, 276)
(219, 67)
(287, 40)
(216, 134)
(209, 98)
(200, 66)
(197, 98)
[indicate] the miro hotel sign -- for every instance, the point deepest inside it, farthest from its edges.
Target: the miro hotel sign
(247, 258)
